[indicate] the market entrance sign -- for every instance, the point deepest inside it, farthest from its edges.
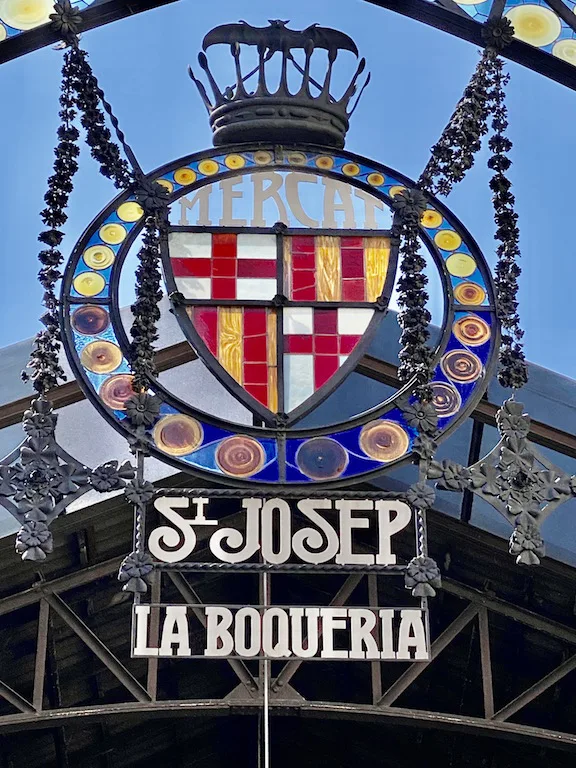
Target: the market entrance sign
(384, 634)
(313, 531)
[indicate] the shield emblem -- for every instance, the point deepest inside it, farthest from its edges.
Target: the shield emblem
(280, 315)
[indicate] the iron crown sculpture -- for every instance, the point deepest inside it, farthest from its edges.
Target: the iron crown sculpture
(239, 115)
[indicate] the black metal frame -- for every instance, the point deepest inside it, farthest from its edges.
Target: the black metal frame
(96, 15)
(435, 14)
(267, 431)
(380, 307)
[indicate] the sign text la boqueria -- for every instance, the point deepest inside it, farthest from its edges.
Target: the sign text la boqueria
(312, 531)
(333, 633)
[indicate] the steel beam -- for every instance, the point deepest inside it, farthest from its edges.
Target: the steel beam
(15, 699)
(189, 594)
(98, 648)
(340, 598)
(62, 584)
(40, 661)
(534, 691)
(417, 667)
(495, 604)
(486, 663)
(414, 718)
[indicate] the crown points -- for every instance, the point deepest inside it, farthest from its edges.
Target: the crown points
(249, 111)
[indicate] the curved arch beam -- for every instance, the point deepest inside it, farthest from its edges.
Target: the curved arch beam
(463, 26)
(99, 13)
(456, 22)
(318, 709)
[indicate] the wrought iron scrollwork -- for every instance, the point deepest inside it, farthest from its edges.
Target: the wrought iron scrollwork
(39, 481)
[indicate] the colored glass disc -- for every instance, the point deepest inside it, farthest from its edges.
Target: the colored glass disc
(384, 440)
(321, 458)
(90, 319)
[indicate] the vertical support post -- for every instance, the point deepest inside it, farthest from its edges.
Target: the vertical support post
(264, 685)
(40, 662)
(485, 660)
(375, 666)
(155, 599)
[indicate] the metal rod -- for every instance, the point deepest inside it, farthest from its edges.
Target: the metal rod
(40, 661)
(417, 667)
(155, 599)
(375, 666)
(266, 670)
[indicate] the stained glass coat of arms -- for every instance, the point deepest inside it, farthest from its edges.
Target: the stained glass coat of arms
(284, 314)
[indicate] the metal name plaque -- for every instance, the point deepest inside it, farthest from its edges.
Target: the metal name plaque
(280, 632)
(276, 533)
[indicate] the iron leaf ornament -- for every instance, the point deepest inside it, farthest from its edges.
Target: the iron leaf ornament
(40, 480)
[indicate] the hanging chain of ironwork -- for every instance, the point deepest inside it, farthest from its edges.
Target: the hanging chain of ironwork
(40, 479)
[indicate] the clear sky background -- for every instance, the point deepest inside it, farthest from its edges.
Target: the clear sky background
(418, 74)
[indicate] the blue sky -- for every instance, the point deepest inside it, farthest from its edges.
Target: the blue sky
(418, 74)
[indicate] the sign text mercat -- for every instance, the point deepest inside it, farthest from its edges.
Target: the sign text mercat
(294, 198)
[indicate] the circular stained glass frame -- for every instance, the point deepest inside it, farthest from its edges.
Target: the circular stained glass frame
(281, 447)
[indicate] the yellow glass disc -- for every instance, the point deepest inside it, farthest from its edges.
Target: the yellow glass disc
(89, 283)
(469, 293)
(234, 161)
(3, 32)
(26, 14)
(447, 240)
(98, 256)
(184, 176)
(297, 158)
(130, 211)
(207, 167)
(325, 162)
(460, 265)
(101, 356)
(262, 157)
(565, 50)
(431, 219)
(350, 169)
(375, 179)
(113, 234)
(178, 435)
(396, 190)
(534, 24)
(166, 184)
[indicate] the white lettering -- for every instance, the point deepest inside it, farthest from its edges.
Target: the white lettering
(269, 510)
(332, 620)
(388, 526)
(293, 196)
(271, 192)
(142, 617)
(412, 635)
(247, 632)
(331, 207)
(202, 197)
(307, 542)
(347, 524)
(234, 539)
(362, 624)
(175, 632)
(228, 197)
(219, 641)
(305, 646)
